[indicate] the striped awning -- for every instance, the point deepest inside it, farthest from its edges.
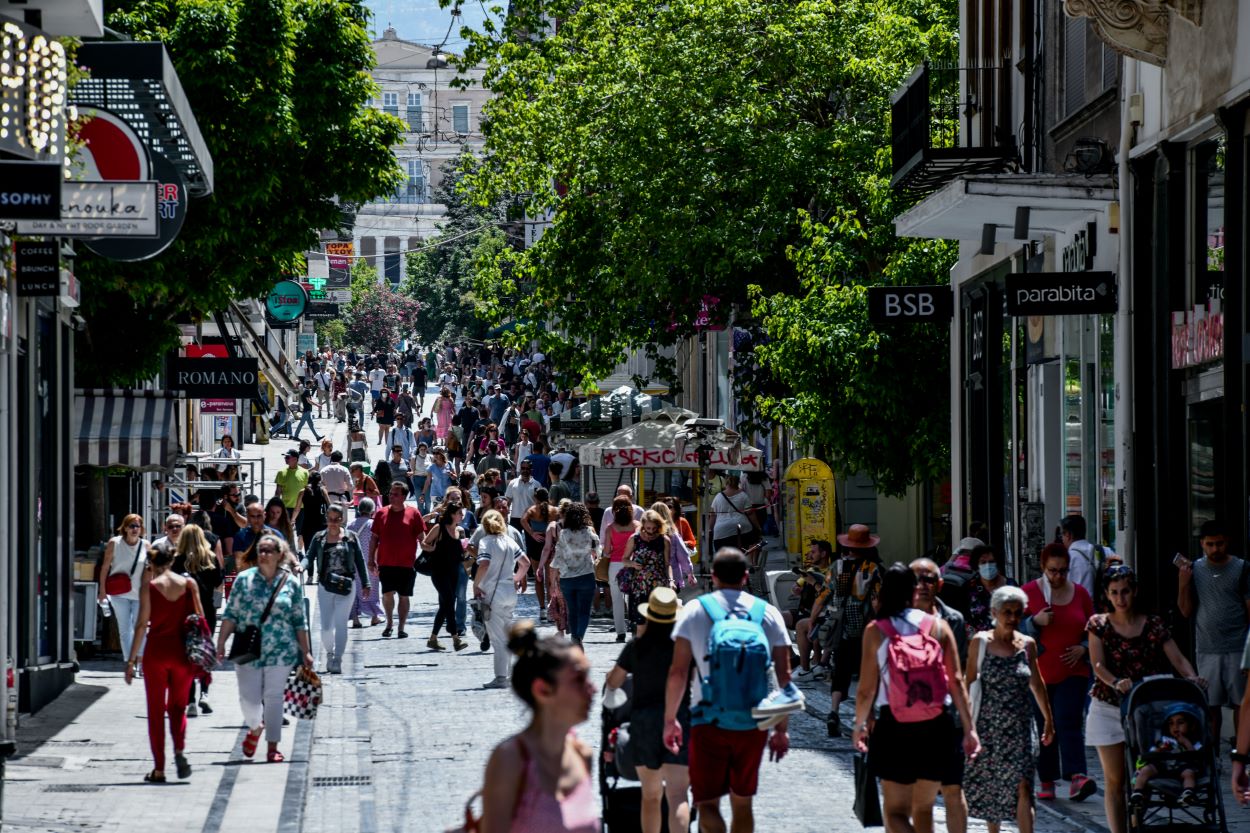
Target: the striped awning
(133, 428)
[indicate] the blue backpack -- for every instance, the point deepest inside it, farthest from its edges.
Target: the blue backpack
(738, 659)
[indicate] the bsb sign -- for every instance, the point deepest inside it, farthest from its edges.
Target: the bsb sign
(213, 378)
(910, 304)
(1061, 293)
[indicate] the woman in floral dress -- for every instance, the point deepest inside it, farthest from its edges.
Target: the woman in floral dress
(647, 554)
(999, 781)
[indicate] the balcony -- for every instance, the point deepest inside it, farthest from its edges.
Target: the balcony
(927, 113)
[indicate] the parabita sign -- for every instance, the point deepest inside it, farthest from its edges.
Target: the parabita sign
(215, 378)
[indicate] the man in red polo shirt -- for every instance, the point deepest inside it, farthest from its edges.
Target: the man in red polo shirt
(397, 531)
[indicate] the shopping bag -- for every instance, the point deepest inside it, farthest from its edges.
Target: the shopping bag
(302, 694)
(867, 802)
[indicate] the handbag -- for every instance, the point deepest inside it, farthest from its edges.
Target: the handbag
(119, 584)
(867, 802)
(602, 564)
(246, 646)
(199, 642)
(424, 563)
(625, 581)
(974, 690)
(302, 694)
(340, 584)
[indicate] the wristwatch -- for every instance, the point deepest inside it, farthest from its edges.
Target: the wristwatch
(1239, 757)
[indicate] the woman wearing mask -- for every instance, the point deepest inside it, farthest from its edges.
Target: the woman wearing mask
(620, 532)
(125, 557)
(447, 551)
(539, 780)
(501, 568)
(649, 554)
(1060, 609)
(362, 527)
(166, 599)
(647, 658)
(335, 563)
(573, 564)
(989, 577)
(284, 641)
(198, 561)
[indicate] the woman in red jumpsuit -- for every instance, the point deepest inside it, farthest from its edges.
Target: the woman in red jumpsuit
(166, 599)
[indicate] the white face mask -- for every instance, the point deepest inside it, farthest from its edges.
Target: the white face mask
(989, 572)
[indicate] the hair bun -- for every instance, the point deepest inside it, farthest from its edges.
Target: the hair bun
(523, 638)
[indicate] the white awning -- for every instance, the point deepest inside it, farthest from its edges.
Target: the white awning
(656, 443)
(138, 429)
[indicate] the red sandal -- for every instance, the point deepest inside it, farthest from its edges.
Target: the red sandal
(250, 741)
(275, 757)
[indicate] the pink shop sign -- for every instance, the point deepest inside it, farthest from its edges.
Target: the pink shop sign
(1197, 336)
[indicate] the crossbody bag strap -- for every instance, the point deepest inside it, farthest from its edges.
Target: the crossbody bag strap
(265, 615)
(135, 564)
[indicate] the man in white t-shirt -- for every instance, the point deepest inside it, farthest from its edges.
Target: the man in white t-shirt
(520, 492)
(337, 480)
(377, 378)
(723, 760)
(324, 380)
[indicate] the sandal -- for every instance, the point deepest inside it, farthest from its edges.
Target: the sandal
(155, 777)
(275, 757)
(183, 765)
(250, 741)
(386, 632)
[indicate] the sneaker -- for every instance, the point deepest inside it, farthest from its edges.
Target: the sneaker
(620, 637)
(782, 701)
(498, 682)
(334, 666)
(1137, 798)
(1047, 791)
(1081, 787)
(192, 711)
(769, 722)
(458, 642)
(1188, 798)
(834, 725)
(821, 672)
(805, 674)
(433, 644)
(205, 708)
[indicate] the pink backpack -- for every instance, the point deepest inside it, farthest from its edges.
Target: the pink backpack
(917, 684)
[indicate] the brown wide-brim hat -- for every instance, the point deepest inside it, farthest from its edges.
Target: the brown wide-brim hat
(859, 537)
(661, 606)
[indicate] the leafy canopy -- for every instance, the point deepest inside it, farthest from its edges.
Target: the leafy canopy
(279, 89)
(378, 317)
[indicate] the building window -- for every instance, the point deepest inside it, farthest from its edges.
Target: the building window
(416, 189)
(390, 103)
(416, 113)
(390, 260)
(460, 119)
(1090, 67)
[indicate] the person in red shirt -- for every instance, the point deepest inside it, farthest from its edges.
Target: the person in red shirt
(397, 531)
(1060, 609)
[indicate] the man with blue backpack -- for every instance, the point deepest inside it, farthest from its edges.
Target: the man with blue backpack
(738, 644)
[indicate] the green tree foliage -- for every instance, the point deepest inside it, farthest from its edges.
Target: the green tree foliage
(440, 276)
(733, 153)
(279, 89)
(332, 332)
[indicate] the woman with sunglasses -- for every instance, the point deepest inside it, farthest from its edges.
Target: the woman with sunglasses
(125, 555)
(1125, 647)
(335, 562)
(1062, 607)
(539, 781)
(283, 635)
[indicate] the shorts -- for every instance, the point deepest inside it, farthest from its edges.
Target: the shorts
(1102, 724)
(722, 762)
(646, 733)
(1226, 681)
(892, 750)
(846, 660)
(399, 580)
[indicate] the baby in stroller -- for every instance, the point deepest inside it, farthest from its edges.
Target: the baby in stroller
(1181, 733)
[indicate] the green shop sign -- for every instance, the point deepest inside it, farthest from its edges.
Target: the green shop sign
(286, 302)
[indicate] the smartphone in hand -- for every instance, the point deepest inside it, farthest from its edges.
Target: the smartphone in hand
(1180, 560)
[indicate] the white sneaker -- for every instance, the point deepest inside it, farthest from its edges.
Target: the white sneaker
(820, 672)
(334, 666)
(805, 674)
(498, 682)
(192, 710)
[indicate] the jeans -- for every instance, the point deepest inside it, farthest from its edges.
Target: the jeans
(445, 582)
(497, 629)
(305, 419)
(618, 598)
(126, 610)
(334, 611)
(462, 600)
(260, 696)
(1067, 704)
(579, 593)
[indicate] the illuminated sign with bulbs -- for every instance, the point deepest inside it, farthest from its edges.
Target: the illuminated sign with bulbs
(32, 92)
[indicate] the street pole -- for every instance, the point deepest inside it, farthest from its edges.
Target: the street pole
(1124, 466)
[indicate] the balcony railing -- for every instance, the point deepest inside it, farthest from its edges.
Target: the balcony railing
(927, 113)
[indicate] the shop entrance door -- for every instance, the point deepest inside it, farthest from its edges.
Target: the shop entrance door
(1205, 458)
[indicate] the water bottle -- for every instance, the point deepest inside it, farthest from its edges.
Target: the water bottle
(106, 608)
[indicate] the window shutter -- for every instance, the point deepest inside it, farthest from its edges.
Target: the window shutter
(1110, 67)
(1073, 64)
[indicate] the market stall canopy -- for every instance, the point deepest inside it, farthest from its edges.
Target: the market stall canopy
(137, 429)
(658, 441)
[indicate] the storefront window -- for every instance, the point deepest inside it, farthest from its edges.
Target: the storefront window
(1089, 422)
(1107, 504)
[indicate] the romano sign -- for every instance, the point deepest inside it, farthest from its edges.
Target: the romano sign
(1061, 293)
(213, 378)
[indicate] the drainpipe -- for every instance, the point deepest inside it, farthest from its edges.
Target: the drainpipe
(1123, 330)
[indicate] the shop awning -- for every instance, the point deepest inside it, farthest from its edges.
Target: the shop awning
(133, 428)
(656, 443)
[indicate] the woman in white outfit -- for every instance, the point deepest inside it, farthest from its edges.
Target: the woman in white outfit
(125, 554)
(334, 563)
(498, 579)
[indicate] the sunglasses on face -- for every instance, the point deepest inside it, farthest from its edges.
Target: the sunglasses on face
(928, 579)
(134, 526)
(1059, 571)
(266, 549)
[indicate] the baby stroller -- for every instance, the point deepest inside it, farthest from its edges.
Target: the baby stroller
(1145, 712)
(619, 788)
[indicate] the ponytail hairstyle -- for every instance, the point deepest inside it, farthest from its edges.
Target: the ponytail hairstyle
(537, 658)
(158, 557)
(622, 510)
(542, 502)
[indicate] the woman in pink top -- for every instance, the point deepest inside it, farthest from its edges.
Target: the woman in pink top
(539, 780)
(1059, 609)
(621, 529)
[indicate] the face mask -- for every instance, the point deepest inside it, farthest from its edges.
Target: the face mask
(989, 572)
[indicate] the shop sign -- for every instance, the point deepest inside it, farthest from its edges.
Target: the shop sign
(214, 378)
(1197, 336)
(339, 255)
(668, 458)
(32, 92)
(286, 302)
(1078, 256)
(38, 268)
(910, 304)
(71, 290)
(171, 213)
(30, 190)
(1061, 293)
(218, 406)
(306, 342)
(323, 309)
(101, 209)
